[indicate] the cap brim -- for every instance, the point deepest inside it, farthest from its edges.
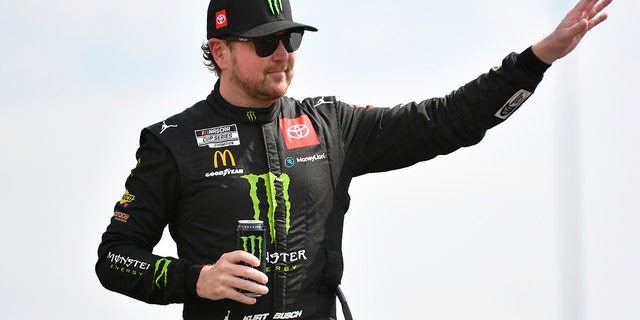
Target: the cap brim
(273, 27)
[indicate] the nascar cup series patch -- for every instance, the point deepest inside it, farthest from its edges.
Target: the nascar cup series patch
(218, 137)
(513, 104)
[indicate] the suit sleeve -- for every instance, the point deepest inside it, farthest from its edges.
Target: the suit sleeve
(126, 263)
(382, 139)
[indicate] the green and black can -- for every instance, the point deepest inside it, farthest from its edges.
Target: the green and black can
(251, 237)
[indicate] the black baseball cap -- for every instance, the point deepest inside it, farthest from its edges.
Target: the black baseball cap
(250, 18)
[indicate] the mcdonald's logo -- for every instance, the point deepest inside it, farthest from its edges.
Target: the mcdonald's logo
(223, 156)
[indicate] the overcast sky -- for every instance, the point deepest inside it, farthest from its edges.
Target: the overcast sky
(538, 221)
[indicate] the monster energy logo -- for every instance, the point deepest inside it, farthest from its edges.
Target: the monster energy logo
(161, 273)
(251, 115)
(250, 243)
(275, 6)
(268, 179)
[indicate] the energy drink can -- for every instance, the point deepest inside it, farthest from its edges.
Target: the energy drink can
(251, 238)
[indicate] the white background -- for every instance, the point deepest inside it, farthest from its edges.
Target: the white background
(538, 221)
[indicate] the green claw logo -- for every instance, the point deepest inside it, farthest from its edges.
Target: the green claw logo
(268, 180)
(275, 6)
(251, 115)
(160, 278)
(251, 243)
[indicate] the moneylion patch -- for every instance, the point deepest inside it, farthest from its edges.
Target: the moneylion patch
(513, 104)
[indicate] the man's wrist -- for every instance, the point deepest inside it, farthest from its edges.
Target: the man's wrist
(531, 63)
(540, 50)
(191, 279)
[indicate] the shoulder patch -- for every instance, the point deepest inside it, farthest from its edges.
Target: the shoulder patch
(513, 104)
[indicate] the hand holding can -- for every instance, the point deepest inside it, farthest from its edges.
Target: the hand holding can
(251, 238)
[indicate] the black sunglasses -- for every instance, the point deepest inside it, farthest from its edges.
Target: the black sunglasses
(267, 45)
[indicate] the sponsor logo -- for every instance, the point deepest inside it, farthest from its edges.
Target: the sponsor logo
(251, 115)
(166, 126)
(222, 155)
(127, 198)
(275, 6)
(277, 315)
(161, 273)
(321, 101)
(127, 265)
(513, 104)
(262, 316)
(223, 173)
(224, 158)
(121, 216)
(289, 162)
(253, 245)
(268, 180)
(288, 315)
(218, 137)
(221, 19)
(312, 158)
(298, 132)
(286, 261)
(293, 256)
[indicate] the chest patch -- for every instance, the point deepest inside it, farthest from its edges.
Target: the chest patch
(298, 132)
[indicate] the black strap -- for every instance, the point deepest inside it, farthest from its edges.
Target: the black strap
(345, 306)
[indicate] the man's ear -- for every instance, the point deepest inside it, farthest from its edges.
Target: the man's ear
(220, 52)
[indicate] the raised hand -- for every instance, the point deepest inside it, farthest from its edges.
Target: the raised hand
(582, 18)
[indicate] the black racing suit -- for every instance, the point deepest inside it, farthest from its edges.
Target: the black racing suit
(290, 165)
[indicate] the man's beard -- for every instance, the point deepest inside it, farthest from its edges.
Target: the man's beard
(262, 89)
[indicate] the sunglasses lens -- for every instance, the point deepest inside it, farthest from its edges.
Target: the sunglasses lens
(293, 41)
(266, 46)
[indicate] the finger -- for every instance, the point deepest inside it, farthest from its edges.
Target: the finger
(580, 27)
(582, 6)
(600, 6)
(229, 286)
(250, 273)
(238, 256)
(250, 286)
(579, 12)
(597, 20)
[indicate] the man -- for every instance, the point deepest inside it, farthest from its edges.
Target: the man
(248, 152)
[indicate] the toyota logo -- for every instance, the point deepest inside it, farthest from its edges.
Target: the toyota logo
(221, 19)
(298, 131)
